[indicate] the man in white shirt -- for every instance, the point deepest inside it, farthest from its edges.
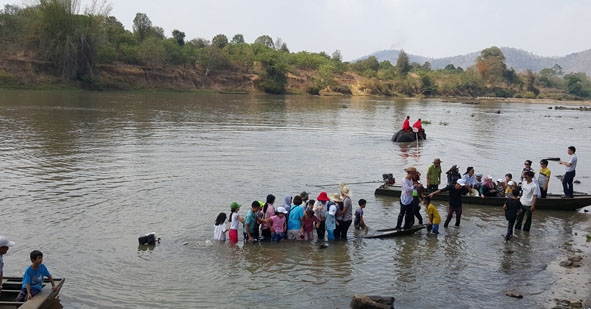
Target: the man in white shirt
(569, 173)
(528, 199)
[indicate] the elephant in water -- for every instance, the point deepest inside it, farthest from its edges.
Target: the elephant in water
(409, 136)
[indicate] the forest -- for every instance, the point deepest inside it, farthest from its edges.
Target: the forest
(78, 48)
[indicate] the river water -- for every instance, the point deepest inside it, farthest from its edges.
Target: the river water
(82, 175)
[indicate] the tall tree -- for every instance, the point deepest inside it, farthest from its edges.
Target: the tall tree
(237, 39)
(141, 26)
(220, 41)
(265, 40)
(403, 63)
(491, 65)
(179, 36)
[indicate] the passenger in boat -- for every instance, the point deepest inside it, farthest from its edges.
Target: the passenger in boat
(250, 222)
(512, 207)
(406, 124)
(294, 221)
(488, 188)
(219, 227)
(433, 217)
(470, 180)
(434, 176)
(418, 125)
(510, 186)
(526, 167)
(544, 178)
(331, 221)
(359, 222)
(346, 213)
(508, 181)
(320, 209)
(309, 224)
(479, 181)
(235, 220)
(5, 244)
(501, 185)
(406, 199)
(278, 224)
(529, 196)
(268, 211)
(455, 200)
(569, 173)
(33, 277)
(453, 174)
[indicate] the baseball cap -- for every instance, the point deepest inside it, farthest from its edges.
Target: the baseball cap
(281, 210)
(4, 242)
(461, 182)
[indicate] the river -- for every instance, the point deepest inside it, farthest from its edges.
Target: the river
(83, 174)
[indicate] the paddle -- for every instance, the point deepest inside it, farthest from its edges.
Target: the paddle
(553, 159)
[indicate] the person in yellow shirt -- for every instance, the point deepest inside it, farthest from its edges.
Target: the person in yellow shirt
(544, 177)
(433, 217)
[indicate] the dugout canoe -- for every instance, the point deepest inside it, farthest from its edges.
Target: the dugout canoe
(11, 286)
(388, 233)
(551, 202)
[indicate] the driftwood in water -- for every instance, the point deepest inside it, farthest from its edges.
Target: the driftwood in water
(372, 302)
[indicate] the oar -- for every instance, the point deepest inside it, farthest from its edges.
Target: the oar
(552, 159)
(349, 183)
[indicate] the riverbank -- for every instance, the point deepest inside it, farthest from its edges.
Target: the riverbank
(572, 286)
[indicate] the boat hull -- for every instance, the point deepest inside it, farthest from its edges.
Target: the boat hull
(552, 202)
(11, 286)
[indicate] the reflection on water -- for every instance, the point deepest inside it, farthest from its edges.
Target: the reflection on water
(84, 174)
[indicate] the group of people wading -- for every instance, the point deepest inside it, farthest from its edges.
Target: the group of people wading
(521, 195)
(297, 219)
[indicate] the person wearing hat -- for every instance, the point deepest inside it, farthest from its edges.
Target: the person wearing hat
(4, 245)
(406, 199)
(455, 200)
(434, 176)
(453, 174)
(331, 221)
(320, 208)
(345, 215)
(235, 220)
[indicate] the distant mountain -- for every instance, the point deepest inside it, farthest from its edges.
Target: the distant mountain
(518, 59)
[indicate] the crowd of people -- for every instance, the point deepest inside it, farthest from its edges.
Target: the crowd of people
(521, 194)
(297, 219)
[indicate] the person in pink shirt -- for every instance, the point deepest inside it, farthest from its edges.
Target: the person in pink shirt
(277, 223)
(268, 211)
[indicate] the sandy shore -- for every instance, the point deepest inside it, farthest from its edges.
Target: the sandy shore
(572, 286)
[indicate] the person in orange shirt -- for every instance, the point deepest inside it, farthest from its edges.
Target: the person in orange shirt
(406, 124)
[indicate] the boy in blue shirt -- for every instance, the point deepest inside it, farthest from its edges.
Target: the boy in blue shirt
(33, 277)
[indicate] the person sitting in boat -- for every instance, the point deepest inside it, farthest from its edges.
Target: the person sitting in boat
(501, 185)
(33, 277)
(470, 180)
(418, 125)
(488, 188)
(453, 174)
(509, 181)
(406, 124)
(479, 181)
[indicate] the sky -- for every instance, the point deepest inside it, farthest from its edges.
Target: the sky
(430, 28)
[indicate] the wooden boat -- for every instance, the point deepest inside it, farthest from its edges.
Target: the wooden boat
(11, 286)
(387, 233)
(551, 202)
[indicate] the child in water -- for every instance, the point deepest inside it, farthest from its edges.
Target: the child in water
(220, 228)
(309, 223)
(277, 223)
(512, 208)
(235, 220)
(359, 222)
(433, 217)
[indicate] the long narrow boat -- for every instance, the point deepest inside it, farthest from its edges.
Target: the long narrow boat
(11, 286)
(387, 233)
(551, 202)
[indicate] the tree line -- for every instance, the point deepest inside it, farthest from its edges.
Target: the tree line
(77, 43)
